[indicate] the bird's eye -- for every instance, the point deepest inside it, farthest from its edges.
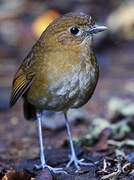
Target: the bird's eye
(74, 30)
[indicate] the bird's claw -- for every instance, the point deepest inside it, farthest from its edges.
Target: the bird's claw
(52, 169)
(77, 163)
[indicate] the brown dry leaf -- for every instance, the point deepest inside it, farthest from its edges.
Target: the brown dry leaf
(13, 175)
(102, 145)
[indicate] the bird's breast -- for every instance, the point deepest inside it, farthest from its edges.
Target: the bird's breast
(64, 85)
(74, 88)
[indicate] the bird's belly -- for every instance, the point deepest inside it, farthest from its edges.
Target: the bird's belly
(87, 84)
(63, 92)
(72, 90)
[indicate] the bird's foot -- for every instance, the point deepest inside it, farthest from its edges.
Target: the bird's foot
(52, 169)
(77, 163)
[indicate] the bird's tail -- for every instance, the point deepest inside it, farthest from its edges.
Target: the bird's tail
(29, 110)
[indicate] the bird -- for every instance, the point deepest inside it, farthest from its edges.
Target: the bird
(59, 73)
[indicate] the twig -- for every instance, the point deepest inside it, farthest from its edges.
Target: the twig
(115, 174)
(132, 172)
(104, 166)
(125, 167)
(121, 143)
(111, 175)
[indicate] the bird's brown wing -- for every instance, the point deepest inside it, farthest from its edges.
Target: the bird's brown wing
(22, 80)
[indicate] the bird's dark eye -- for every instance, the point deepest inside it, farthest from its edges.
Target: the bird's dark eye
(74, 30)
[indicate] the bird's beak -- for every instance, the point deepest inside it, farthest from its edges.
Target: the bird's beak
(96, 28)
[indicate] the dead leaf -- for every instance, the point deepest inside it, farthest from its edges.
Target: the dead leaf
(13, 175)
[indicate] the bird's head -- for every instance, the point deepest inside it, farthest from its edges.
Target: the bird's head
(70, 30)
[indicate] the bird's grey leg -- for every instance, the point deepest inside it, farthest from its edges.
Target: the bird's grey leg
(40, 136)
(42, 149)
(73, 158)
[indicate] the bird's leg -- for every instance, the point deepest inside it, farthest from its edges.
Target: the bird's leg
(42, 149)
(73, 157)
(40, 136)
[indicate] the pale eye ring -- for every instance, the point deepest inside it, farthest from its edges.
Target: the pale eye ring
(75, 31)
